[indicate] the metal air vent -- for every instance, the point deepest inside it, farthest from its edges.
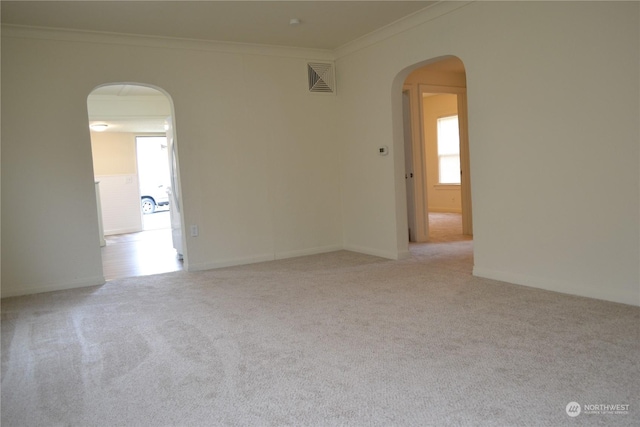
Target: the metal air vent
(321, 77)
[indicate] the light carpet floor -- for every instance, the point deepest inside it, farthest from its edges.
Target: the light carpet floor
(326, 340)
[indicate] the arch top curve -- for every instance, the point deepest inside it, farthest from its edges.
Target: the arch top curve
(130, 107)
(442, 74)
(129, 88)
(450, 64)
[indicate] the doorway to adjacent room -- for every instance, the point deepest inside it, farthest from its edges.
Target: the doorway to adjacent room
(437, 153)
(136, 178)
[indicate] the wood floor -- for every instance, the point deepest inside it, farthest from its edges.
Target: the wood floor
(151, 251)
(139, 254)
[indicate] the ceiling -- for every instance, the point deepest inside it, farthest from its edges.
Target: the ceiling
(129, 108)
(323, 24)
(126, 90)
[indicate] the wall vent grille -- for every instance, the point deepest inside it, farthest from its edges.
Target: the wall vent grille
(321, 77)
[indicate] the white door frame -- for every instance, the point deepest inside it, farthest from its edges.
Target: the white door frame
(420, 185)
(421, 210)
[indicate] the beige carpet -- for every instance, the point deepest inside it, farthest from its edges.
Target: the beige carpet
(446, 227)
(334, 339)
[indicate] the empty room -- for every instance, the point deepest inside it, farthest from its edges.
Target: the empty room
(304, 285)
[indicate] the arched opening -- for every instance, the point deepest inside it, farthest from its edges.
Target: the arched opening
(136, 171)
(436, 151)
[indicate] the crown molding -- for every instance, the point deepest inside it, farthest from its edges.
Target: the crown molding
(402, 25)
(82, 36)
(418, 18)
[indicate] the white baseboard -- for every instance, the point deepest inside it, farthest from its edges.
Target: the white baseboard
(624, 297)
(377, 252)
(50, 287)
(306, 252)
(229, 262)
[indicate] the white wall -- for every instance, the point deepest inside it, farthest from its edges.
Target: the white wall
(120, 204)
(259, 157)
(555, 176)
(553, 122)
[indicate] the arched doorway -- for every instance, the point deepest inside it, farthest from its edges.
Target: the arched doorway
(435, 104)
(137, 179)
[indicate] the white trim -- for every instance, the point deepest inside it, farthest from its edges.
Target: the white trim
(602, 293)
(229, 262)
(465, 167)
(79, 36)
(83, 36)
(376, 252)
(400, 26)
(306, 252)
(50, 287)
(421, 202)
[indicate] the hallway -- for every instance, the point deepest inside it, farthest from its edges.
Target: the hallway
(446, 227)
(447, 247)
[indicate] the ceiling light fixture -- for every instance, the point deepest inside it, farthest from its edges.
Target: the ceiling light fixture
(294, 21)
(99, 127)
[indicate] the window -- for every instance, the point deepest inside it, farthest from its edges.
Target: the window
(448, 150)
